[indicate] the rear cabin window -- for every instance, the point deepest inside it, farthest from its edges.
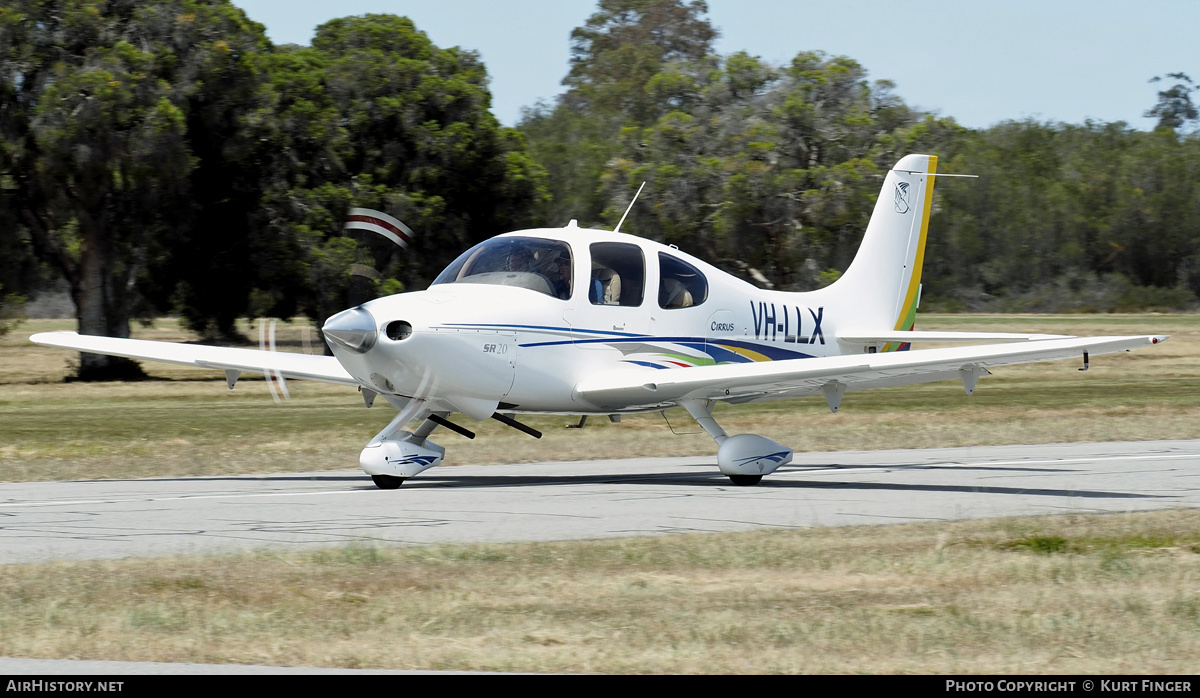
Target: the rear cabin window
(680, 284)
(618, 274)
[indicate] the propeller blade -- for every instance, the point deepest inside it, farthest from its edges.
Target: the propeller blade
(306, 338)
(379, 222)
(271, 375)
(278, 374)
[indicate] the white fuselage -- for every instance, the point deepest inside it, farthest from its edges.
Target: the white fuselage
(476, 346)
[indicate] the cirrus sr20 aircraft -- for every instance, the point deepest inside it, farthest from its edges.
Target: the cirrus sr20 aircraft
(596, 323)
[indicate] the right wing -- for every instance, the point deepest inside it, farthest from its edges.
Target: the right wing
(302, 366)
(639, 387)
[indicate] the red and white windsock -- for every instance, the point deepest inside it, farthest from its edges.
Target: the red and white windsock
(379, 222)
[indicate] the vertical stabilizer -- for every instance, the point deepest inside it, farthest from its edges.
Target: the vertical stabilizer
(883, 282)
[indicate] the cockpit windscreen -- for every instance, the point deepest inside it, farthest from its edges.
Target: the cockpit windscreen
(533, 263)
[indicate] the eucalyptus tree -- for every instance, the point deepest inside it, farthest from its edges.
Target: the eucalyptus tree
(769, 171)
(374, 115)
(1175, 107)
(631, 63)
(96, 102)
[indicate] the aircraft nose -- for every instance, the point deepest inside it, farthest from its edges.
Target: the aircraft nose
(352, 329)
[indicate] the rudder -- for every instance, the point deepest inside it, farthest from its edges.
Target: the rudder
(883, 282)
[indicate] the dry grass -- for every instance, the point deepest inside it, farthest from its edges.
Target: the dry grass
(187, 423)
(1081, 594)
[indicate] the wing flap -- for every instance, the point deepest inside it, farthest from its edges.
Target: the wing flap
(300, 366)
(639, 386)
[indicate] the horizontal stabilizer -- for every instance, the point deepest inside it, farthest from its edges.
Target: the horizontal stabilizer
(855, 337)
(300, 366)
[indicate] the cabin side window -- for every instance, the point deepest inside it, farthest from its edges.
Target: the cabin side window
(618, 274)
(680, 284)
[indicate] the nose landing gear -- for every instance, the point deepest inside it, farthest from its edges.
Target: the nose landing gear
(387, 482)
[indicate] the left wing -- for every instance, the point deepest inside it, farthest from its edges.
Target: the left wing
(302, 366)
(905, 336)
(743, 382)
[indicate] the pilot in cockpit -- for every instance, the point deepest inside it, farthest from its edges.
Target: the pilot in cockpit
(557, 271)
(519, 259)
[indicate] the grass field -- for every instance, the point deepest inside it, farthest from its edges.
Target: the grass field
(1116, 594)
(1081, 594)
(187, 423)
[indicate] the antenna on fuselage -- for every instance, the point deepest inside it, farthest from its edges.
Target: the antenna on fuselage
(631, 203)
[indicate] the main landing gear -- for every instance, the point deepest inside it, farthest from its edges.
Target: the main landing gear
(395, 455)
(744, 458)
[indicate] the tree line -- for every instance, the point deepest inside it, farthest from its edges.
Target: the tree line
(165, 157)
(772, 171)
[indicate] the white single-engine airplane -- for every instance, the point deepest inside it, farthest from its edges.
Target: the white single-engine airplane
(591, 322)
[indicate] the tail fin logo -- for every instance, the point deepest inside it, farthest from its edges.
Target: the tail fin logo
(902, 205)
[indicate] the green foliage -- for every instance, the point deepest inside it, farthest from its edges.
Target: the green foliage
(103, 103)
(1174, 107)
(828, 276)
(631, 63)
(629, 52)
(388, 287)
(1111, 548)
(772, 174)
(163, 155)
(1046, 545)
(1069, 218)
(374, 115)
(10, 311)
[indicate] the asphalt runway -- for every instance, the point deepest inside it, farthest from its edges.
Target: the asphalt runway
(106, 519)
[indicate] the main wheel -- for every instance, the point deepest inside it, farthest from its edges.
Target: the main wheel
(387, 482)
(745, 480)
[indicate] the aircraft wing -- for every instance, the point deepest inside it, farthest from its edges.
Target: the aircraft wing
(290, 365)
(902, 336)
(744, 382)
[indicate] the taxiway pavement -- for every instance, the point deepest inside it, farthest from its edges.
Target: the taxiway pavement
(106, 519)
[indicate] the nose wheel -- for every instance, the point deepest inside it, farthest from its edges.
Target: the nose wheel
(387, 482)
(745, 480)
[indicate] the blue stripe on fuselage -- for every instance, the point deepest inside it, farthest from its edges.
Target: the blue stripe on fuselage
(710, 345)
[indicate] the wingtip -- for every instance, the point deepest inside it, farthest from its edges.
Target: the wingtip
(51, 335)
